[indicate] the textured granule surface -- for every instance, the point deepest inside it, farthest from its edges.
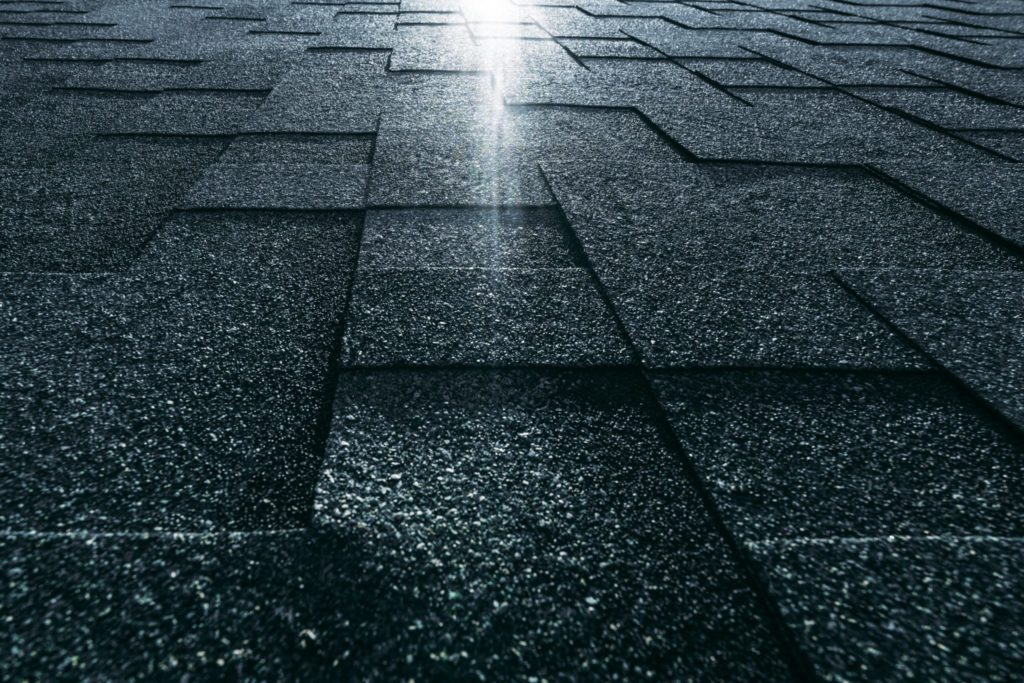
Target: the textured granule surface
(511, 340)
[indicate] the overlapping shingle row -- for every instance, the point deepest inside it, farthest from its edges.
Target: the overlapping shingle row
(456, 339)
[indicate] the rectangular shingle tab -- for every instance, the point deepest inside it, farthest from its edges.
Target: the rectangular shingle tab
(966, 321)
(797, 455)
(579, 505)
(177, 402)
(748, 260)
(477, 316)
(895, 609)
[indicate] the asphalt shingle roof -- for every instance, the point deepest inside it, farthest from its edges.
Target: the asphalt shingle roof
(499, 339)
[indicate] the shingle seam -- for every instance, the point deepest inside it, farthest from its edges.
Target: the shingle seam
(797, 661)
(1011, 430)
(867, 540)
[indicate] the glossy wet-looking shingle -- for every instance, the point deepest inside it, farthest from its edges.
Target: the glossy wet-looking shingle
(482, 340)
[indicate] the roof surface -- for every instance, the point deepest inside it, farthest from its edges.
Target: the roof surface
(485, 340)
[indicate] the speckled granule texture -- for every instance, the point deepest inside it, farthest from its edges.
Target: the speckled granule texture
(174, 402)
(511, 340)
(537, 514)
(799, 454)
(970, 323)
(887, 608)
